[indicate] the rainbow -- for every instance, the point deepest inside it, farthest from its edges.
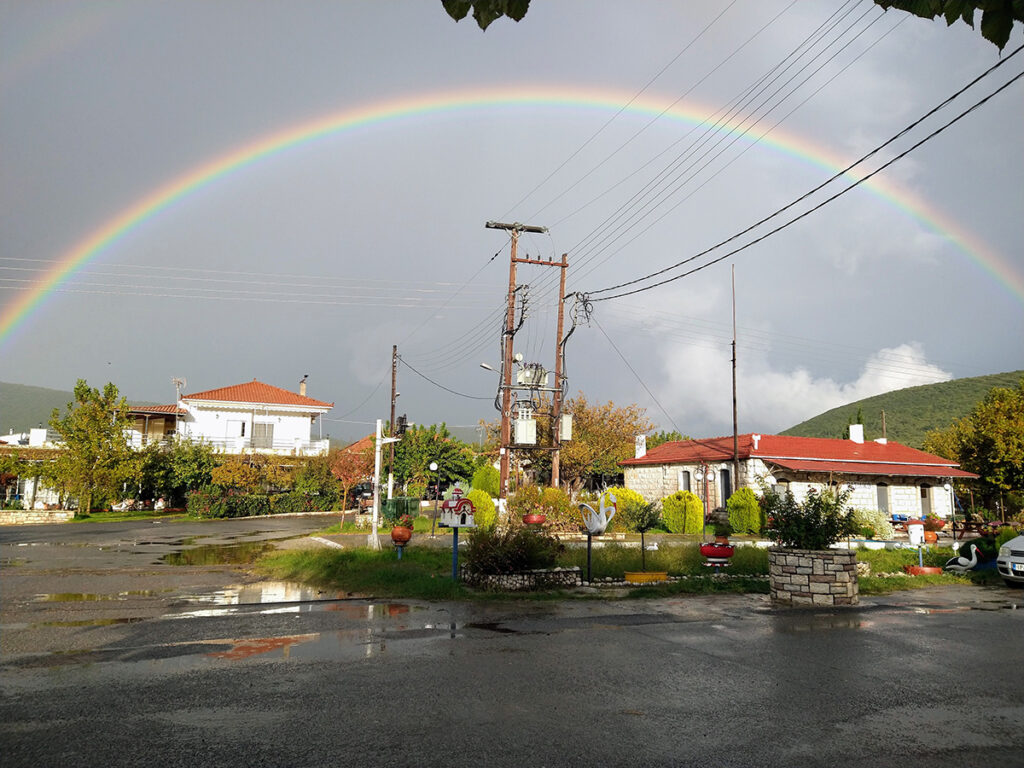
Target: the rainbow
(405, 108)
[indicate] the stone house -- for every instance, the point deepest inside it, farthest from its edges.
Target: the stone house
(884, 475)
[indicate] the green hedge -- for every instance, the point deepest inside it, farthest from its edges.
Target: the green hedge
(683, 512)
(744, 512)
(213, 501)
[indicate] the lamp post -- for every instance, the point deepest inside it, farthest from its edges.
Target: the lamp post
(437, 493)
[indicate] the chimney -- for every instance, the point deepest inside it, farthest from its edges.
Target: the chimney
(641, 446)
(857, 433)
(302, 386)
(756, 439)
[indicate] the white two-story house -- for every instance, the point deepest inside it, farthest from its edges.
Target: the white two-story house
(245, 417)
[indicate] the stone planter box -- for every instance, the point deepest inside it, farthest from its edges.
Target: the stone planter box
(813, 577)
(554, 578)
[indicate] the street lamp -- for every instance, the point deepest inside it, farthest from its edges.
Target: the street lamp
(437, 492)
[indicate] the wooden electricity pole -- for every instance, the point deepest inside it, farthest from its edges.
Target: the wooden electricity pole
(391, 429)
(735, 420)
(556, 409)
(506, 364)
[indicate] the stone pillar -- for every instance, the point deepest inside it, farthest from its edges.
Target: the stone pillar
(813, 577)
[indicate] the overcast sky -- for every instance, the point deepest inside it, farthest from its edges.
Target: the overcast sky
(317, 257)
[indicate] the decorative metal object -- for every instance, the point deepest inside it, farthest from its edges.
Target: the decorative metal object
(597, 523)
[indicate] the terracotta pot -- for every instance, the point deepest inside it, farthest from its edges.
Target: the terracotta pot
(401, 535)
(931, 537)
(723, 540)
(534, 519)
(922, 570)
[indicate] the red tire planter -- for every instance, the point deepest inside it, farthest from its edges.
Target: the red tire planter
(534, 519)
(717, 553)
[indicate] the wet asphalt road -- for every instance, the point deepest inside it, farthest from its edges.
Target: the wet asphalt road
(214, 668)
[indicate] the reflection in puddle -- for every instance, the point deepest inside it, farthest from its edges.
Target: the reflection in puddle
(824, 622)
(91, 622)
(86, 597)
(244, 649)
(219, 554)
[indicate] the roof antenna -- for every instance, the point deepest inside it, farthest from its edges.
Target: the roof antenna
(178, 384)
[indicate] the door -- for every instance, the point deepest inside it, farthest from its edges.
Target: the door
(263, 436)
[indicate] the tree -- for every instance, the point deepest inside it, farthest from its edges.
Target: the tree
(989, 441)
(662, 437)
(170, 470)
(352, 465)
(96, 460)
(486, 11)
(421, 445)
(315, 478)
(997, 16)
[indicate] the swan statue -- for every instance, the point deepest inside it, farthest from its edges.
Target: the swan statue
(961, 564)
(597, 522)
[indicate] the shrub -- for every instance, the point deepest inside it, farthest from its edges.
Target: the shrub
(626, 503)
(210, 501)
(560, 512)
(487, 479)
(683, 512)
(525, 501)
(1004, 535)
(486, 514)
(873, 523)
(285, 503)
(248, 505)
(818, 523)
(510, 550)
(744, 512)
(416, 489)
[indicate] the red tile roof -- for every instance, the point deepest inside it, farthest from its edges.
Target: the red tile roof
(257, 392)
(808, 454)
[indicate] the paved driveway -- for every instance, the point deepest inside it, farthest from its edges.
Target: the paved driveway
(250, 673)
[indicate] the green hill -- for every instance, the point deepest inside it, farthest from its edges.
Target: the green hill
(909, 413)
(23, 407)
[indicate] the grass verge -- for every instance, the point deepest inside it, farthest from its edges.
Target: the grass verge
(133, 514)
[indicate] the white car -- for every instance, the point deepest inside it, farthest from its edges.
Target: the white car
(1011, 562)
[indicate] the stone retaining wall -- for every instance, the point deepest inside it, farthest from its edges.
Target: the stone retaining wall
(554, 578)
(813, 577)
(35, 516)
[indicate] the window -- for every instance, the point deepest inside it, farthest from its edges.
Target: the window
(725, 486)
(262, 435)
(684, 479)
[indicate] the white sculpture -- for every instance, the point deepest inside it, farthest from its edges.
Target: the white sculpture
(962, 564)
(597, 522)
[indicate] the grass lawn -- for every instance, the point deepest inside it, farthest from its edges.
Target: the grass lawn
(129, 514)
(425, 573)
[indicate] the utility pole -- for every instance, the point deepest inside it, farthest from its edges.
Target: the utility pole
(735, 420)
(556, 410)
(394, 394)
(506, 365)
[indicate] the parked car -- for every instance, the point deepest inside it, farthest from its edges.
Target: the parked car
(362, 496)
(1010, 562)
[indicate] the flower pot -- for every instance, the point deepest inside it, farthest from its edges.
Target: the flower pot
(930, 537)
(400, 535)
(723, 540)
(534, 519)
(646, 577)
(922, 570)
(717, 554)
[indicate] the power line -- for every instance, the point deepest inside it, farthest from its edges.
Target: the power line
(441, 386)
(825, 202)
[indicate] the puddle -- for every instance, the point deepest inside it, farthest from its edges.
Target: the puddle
(86, 597)
(492, 627)
(219, 554)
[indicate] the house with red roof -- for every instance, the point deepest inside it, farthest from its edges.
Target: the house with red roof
(883, 475)
(253, 416)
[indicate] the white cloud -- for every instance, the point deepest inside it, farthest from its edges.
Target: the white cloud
(698, 387)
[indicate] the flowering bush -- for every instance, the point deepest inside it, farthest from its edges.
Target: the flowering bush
(873, 523)
(627, 503)
(403, 521)
(820, 521)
